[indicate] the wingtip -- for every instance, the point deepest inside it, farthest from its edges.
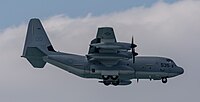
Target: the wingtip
(106, 27)
(34, 19)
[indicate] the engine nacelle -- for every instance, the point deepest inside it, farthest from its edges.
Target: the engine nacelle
(117, 45)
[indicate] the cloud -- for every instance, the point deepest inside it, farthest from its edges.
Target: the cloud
(163, 29)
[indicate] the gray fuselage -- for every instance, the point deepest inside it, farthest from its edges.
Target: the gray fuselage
(144, 67)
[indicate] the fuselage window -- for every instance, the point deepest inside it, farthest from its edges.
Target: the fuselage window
(165, 65)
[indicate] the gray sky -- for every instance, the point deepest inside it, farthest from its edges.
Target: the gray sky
(162, 29)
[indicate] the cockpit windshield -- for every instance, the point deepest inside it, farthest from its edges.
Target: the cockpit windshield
(170, 62)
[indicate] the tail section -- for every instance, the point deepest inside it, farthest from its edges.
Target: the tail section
(37, 44)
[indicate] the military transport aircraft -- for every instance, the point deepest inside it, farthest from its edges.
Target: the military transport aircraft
(114, 63)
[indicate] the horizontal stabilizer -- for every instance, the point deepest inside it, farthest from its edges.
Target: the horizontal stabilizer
(35, 57)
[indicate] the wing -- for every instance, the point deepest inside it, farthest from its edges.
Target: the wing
(106, 50)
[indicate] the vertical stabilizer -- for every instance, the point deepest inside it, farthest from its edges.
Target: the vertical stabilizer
(37, 44)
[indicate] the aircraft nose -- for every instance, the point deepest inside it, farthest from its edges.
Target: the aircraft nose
(181, 70)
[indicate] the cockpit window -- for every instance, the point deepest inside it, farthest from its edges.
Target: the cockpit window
(169, 60)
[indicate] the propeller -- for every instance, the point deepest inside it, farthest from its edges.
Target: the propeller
(133, 49)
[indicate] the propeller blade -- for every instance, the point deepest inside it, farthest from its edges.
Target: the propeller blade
(132, 43)
(132, 40)
(133, 49)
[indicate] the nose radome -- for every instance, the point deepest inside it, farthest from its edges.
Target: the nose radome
(181, 70)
